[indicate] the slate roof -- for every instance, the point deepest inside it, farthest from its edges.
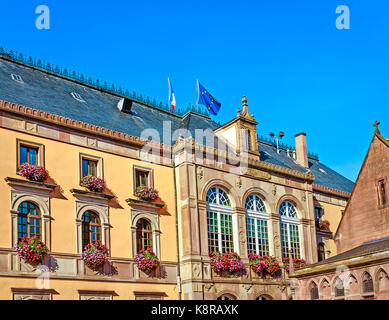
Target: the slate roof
(366, 248)
(52, 93)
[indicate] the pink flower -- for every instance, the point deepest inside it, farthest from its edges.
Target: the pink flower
(146, 193)
(93, 183)
(33, 172)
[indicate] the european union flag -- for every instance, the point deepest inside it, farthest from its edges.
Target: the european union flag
(205, 98)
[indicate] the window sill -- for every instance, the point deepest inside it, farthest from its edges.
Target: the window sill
(27, 183)
(144, 203)
(92, 194)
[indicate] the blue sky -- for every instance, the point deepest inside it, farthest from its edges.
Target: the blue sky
(298, 71)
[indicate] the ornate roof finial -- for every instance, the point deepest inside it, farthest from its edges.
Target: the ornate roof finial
(245, 112)
(376, 124)
(244, 104)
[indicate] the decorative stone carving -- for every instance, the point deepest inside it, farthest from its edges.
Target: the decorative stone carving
(247, 286)
(196, 271)
(238, 182)
(274, 189)
(200, 173)
(303, 196)
(32, 297)
(87, 297)
(209, 286)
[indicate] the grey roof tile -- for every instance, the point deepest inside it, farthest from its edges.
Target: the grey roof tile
(52, 93)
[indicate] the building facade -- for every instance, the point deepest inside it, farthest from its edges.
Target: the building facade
(221, 188)
(361, 268)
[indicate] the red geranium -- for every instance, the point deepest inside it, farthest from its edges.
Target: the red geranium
(146, 260)
(32, 250)
(95, 255)
(229, 261)
(264, 264)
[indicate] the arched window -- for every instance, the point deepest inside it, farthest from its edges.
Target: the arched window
(219, 215)
(144, 235)
(225, 297)
(263, 298)
(339, 288)
(257, 226)
(321, 251)
(314, 291)
(91, 228)
(368, 285)
(290, 237)
(29, 220)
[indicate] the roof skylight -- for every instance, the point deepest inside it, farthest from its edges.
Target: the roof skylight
(77, 96)
(16, 78)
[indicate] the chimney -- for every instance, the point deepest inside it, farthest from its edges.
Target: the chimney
(301, 149)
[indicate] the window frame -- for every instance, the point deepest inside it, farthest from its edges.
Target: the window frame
(142, 232)
(258, 216)
(40, 161)
(99, 168)
(17, 78)
(150, 176)
(226, 212)
(91, 224)
(288, 222)
(28, 217)
(383, 200)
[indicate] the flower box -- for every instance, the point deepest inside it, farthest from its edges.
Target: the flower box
(94, 255)
(227, 264)
(146, 193)
(32, 250)
(297, 263)
(93, 183)
(33, 172)
(264, 265)
(147, 261)
(323, 225)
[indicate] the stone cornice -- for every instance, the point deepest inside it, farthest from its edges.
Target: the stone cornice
(330, 191)
(193, 146)
(78, 125)
(30, 184)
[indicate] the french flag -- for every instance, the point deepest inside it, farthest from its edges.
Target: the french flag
(172, 96)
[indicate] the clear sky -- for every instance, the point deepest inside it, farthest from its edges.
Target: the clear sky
(297, 70)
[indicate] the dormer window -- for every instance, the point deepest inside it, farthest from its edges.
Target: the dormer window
(77, 96)
(16, 78)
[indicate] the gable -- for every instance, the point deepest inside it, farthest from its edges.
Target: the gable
(364, 218)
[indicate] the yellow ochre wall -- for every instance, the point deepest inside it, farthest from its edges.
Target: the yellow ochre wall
(62, 163)
(332, 213)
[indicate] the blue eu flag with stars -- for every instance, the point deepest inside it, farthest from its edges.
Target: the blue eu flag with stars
(205, 98)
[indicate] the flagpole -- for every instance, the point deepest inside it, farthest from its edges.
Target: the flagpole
(197, 93)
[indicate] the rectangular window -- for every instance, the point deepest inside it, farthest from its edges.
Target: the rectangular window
(290, 240)
(29, 152)
(382, 193)
(319, 212)
(143, 177)
(220, 232)
(91, 166)
(257, 236)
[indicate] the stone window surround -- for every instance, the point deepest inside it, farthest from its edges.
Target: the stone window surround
(136, 168)
(37, 193)
(141, 295)
(32, 294)
(382, 180)
(39, 146)
(100, 164)
(140, 209)
(97, 203)
(96, 294)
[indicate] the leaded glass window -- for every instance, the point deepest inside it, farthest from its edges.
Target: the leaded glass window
(219, 216)
(29, 220)
(257, 226)
(290, 236)
(144, 235)
(91, 228)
